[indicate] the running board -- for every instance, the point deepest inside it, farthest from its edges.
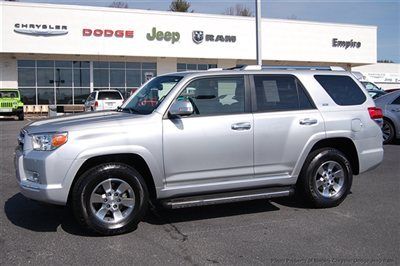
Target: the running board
(225, 197)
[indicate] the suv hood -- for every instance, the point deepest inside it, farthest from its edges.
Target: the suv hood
(81, 122)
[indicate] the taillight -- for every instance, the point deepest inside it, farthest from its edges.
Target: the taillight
(375, 112)
(96, 104)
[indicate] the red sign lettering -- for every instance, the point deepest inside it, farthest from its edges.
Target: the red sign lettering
(108, 33)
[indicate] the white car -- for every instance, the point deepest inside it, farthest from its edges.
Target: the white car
(104, 100)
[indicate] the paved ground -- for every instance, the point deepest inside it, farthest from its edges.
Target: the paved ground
(363, 229)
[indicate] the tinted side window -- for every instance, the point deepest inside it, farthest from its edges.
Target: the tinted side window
(217, 95)
(396, 101)
(109, 95)
(342, 89)
(280, 93)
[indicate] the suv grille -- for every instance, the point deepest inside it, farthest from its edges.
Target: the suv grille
(6, 104)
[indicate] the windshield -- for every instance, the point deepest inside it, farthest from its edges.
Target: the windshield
(8, 94)
(149, 97)
(109, 95)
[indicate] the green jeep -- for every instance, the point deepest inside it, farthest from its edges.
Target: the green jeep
(11, 104)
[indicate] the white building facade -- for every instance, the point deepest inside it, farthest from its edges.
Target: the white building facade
(58, 54)
(385, 75)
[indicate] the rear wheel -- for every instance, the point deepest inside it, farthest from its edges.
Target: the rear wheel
(326, 178)
(387, 132)
(110, 199)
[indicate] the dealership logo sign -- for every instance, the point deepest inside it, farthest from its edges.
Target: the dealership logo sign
(40, 29)
(107, 33)
(168, 36)
(198, 37)
(345, 44)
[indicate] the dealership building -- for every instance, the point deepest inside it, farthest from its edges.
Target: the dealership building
(58, 54)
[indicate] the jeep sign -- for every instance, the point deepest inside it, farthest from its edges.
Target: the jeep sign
(168, 36)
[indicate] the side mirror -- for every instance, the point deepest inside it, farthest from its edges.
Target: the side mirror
(181, 108)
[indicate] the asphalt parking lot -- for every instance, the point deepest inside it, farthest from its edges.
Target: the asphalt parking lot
(364, 229)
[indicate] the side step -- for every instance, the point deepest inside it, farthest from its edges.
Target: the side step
(225, 197)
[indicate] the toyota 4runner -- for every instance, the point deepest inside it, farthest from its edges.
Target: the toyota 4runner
(195, 138)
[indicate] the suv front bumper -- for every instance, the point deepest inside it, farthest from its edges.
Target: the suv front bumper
(36, 174)
(10, 111)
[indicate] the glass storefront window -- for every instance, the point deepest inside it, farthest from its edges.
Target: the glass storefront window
(68, 82)
(63, 64)
(100, 64)
(117, 65)
(101, 78)
(149, 66)
(117, 78)
(133, 78)
(45, 76)
(45, 95)
(80, 95)
(28, 95)
(81, 64)
(45, 63)
(64, 95)
(133, 65)
(185, 67)
(63, 77)
(82, 77)
(26, 63)
(26, 77)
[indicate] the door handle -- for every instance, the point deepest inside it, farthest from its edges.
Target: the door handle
(308, 121)
(241, 126)
(396, 110)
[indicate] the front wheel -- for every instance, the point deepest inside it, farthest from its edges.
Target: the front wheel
(110, 199)
(21, 116)
(326, 178)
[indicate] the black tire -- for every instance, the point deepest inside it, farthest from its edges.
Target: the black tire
(21, 116)
(91, 179)
(390, 130)
(307, 187)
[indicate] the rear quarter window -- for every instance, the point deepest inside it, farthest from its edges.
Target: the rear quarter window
(342, 89)
(109, 95)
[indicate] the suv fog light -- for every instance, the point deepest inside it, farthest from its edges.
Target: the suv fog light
(33, 177)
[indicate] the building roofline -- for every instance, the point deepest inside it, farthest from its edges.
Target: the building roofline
(169, 13)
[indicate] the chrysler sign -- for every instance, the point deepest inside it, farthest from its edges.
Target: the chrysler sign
(40, 29)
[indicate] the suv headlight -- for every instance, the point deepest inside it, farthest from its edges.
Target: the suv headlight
(48, 141)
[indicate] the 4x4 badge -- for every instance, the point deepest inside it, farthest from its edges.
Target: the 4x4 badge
(198, 36)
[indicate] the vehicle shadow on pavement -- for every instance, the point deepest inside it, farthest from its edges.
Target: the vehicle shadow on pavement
(40, 217)
(8, 119)
(161, 216)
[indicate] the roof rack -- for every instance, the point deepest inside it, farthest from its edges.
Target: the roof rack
(256, 67)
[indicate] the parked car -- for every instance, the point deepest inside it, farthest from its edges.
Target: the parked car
(376, 93)
(103, 100)
(371, 86)
(390, 105)
(11, 104)
(392, 90)
(196, 138)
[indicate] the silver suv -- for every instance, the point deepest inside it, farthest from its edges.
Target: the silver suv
(196, 138)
